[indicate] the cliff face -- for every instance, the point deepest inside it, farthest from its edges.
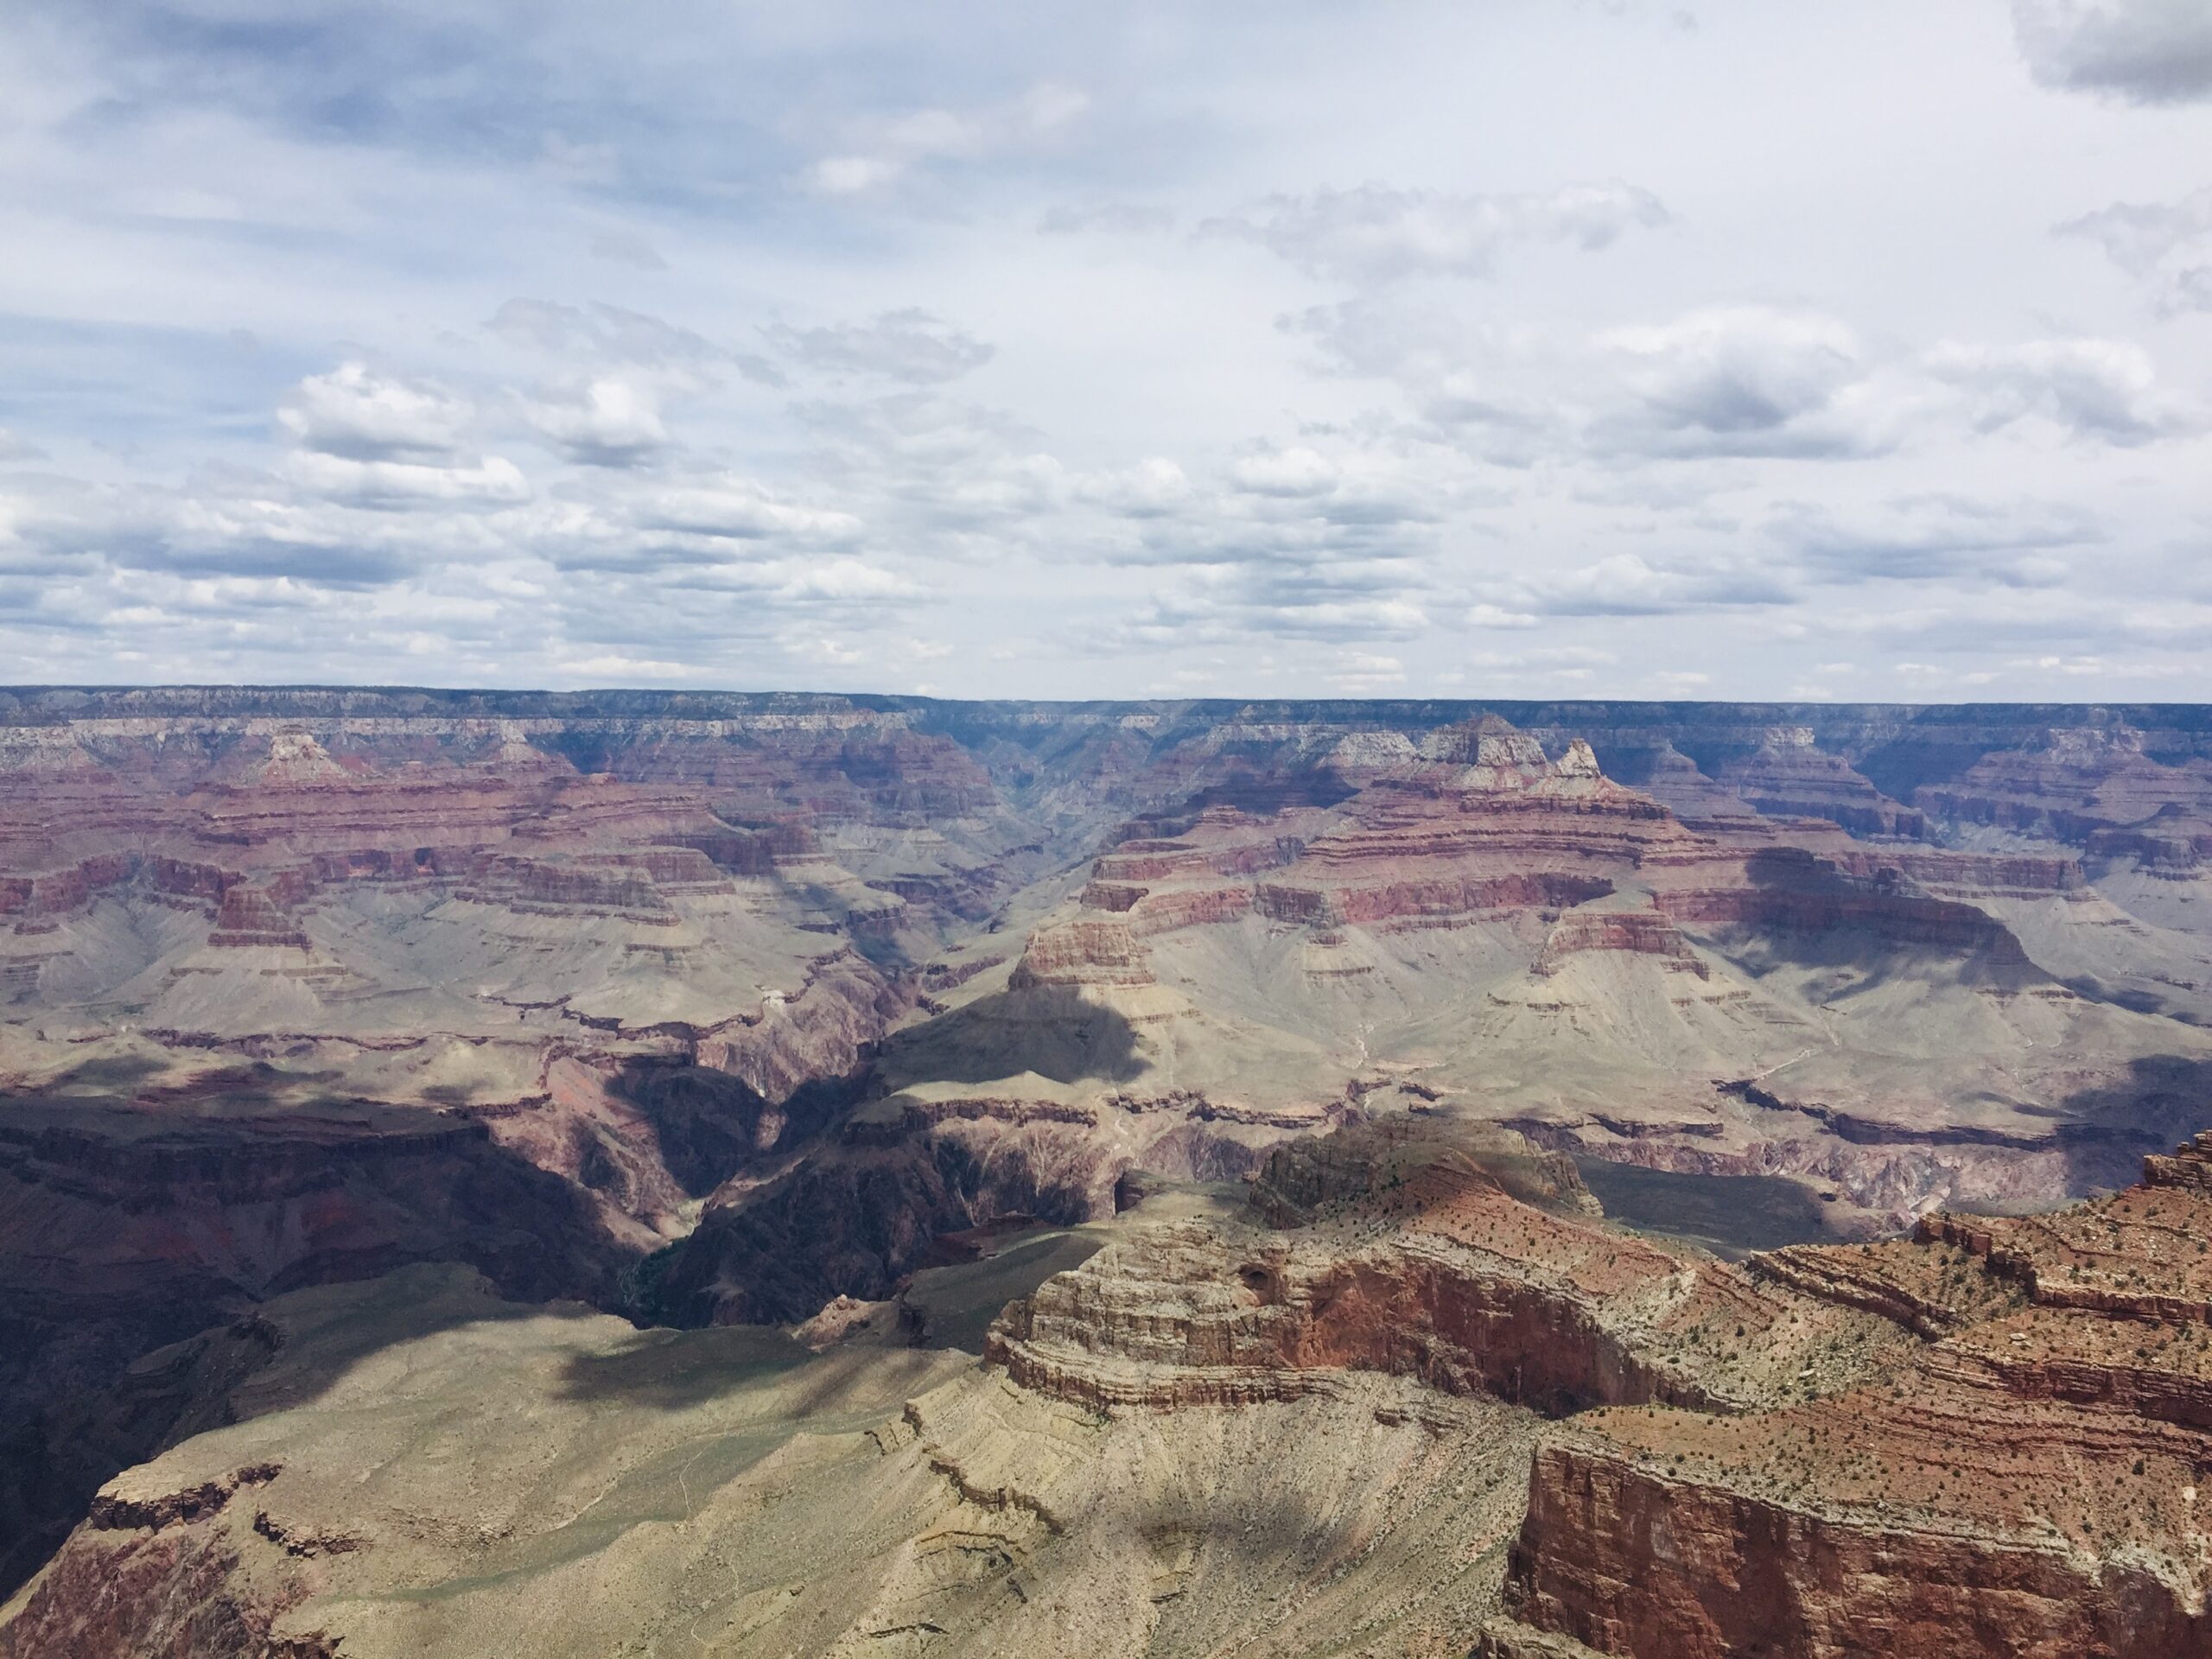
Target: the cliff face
(2025, 1484)
(1413, 1256)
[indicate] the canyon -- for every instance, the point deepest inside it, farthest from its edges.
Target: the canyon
(677, 1172)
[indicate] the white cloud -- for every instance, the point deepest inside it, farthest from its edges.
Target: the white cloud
(492, 481)
(1496, 616)
(736, 509)
(609, 422)
(1930, 538)
(1154, 487)
(1297, 470)
(613, 668)
(2102, 390)
(355, 413)
(1741, 381)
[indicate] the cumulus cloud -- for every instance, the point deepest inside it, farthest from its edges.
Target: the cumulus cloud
(2142, 51)
(1742, 381)
(355, 414)
(910, 345)
(2104, 391)
(2167, 246)
(1244, 603)
(491, 480)
(244, 534)
(609, 421)
(1375, 233)
(378, 440)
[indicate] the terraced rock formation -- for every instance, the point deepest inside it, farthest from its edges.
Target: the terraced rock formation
(2025, 1484)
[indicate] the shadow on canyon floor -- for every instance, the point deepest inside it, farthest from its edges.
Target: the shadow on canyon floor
(1051, 1030)
(1731, 1215)
(57, 1457)
(2105, 1130)
(1810, 914)
(136, 1219)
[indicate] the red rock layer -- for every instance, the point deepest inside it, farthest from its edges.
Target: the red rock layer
(1475, 1290)
(2026, 1485)
(1484, 826)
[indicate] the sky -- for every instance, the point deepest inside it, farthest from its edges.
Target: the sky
(1508, 349)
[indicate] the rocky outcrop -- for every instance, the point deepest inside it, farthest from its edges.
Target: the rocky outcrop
(1665, 1566)
(1083, 952)
(1637, 932)
(2025, 1482)
(1476, 1290)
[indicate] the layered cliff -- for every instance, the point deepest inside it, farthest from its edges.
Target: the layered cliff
(2026, 1482)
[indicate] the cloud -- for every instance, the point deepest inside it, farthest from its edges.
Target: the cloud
(1363, 673)
(1154, 487)
(1628, 584)
(910, 345)
(610, 667)
(490, 481)
(1739, 381)
(846, 582)
(15, 447)
(1375, 233)
(77, 529)
(733, 509)
(2139, 51)
(609, 421)
(1297, 470)
(356, 414)
(895, 148)
(2168, 247)
(1929, 538)
(2105, 390)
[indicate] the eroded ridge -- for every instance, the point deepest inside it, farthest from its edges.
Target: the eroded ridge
(1476, 1266)
(2026, 1482)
